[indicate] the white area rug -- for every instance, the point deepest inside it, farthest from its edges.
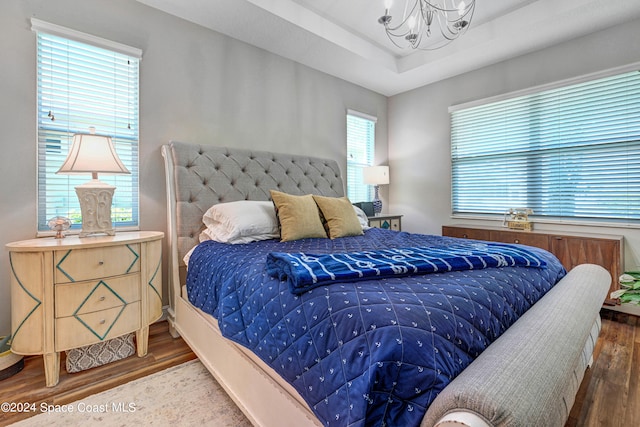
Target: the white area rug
(184, 395)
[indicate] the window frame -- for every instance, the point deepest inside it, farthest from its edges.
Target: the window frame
(56, 137)
(354, 167)
(564, 84)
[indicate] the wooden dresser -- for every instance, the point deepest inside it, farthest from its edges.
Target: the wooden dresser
(571, 249)
(72, 292)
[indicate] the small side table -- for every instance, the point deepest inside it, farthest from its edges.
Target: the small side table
(386, 221)
(72, 292)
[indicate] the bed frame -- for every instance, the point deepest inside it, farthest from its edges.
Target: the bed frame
(529, 376)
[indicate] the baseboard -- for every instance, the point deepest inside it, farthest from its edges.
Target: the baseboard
(633, 309)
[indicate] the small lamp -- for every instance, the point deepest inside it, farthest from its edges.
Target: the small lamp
(91, 153)
(377, 176)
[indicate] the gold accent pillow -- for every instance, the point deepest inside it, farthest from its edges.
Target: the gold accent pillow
(298, 216)
(340, 216)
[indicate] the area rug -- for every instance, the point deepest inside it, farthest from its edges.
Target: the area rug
(184, 395)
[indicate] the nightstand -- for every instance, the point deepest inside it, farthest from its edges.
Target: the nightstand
(72, 292)
(386, 221)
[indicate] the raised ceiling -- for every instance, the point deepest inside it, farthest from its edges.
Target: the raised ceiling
(344, 39)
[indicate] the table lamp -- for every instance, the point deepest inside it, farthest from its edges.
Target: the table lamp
(91, 153)
(376, 176)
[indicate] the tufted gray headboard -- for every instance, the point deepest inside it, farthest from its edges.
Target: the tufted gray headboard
(199, 176)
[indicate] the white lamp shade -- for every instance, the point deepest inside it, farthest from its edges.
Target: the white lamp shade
(92, 153)
(375, 175)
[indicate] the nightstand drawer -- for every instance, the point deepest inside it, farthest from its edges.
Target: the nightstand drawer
(90, 328)
(388, 222)
(77, 265)
(96, 295)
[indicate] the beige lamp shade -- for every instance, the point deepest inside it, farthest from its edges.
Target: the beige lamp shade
(91, 153)
(375, 175)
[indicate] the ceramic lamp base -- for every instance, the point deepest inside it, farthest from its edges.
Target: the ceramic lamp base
(95, 205)
(377, 203)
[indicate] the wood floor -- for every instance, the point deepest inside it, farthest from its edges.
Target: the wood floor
(610, 392)
(28, 385)
(608, 397)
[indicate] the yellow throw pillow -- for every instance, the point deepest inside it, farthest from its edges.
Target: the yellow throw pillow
(340, 216)
(298, 215)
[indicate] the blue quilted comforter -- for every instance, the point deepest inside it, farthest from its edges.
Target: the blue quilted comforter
(367, 353)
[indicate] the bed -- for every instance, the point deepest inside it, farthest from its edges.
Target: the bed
(526, 374)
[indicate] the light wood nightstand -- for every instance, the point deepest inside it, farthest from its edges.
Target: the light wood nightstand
(72, 292)
(386, 221)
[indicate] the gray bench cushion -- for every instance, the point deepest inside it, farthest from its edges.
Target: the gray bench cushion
(531, 374)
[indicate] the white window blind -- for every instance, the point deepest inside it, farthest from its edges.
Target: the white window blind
(361, 139)
(82, 85)
(568, 152)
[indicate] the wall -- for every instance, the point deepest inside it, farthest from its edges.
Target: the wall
(196, 85)
(419, 135)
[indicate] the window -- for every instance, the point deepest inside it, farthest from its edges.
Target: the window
(361, 140)
(567, 152)
(82, 82)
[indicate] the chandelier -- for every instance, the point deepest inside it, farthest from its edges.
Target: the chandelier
(414, 26)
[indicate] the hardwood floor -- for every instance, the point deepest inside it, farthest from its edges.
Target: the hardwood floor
(28, 385)
(608, 397)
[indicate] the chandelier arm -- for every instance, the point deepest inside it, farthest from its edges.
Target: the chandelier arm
(467, 16)
(444, 9)
(393, 32)
(469, 13)
(388, 28)
(393, 41)
(446, 30)
(451, 22)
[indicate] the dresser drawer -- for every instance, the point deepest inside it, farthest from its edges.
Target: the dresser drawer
(77, 265)
(465, 233)
(522, 238)
(96, 295)
(90, 328)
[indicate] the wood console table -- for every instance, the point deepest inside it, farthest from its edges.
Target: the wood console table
(571, 249)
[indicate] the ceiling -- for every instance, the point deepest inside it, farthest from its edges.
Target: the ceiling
(344, 39)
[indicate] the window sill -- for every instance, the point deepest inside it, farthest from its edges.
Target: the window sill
(75, 232)
(552, 221)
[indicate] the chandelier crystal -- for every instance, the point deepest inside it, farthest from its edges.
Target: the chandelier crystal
(426, 25)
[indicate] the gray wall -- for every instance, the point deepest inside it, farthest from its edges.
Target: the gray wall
(196, 86)
(200, 86)
(419, 135)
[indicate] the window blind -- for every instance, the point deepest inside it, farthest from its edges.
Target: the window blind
(82, 85)
(361, 130)
(568, 152)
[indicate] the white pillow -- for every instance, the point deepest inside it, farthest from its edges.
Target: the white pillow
(244, 221)
(362, 217)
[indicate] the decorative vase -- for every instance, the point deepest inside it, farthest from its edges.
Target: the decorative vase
(377, 203)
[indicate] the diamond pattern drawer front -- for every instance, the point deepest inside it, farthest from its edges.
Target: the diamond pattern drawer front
(96, 295)
(76, 331)
(76, 265)
(387, 222)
